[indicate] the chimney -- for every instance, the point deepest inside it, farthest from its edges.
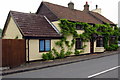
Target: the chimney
(86, 7)
(96, 6)
(71, 5)
(97, 10)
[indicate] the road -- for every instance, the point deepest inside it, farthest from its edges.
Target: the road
(109, 74)
(82, 69)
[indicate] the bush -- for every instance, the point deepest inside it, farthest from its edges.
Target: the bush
(45, 57)
(112, 47)
(109, 48)
(68, 53)
(62, 53)
(48, 56)
(78, 52)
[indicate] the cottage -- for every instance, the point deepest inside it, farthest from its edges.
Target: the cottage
(41, 29)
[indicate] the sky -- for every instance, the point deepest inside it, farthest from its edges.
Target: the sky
(109, 7)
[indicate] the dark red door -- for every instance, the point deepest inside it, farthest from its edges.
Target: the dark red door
(91, 46)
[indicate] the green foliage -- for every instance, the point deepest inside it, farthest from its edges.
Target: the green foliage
(69, 28)
(48, 56)
(59, 55)
(55, 53)
(0, 33)
(16, 37)
(105, 41)
(119, 35)
(0, 30)
(45, 56)
(67, 43)
(59, 43)
(84, 46)
(68, 53)
(77, 53)
(62, 54)
(73, 42)
(112, 47)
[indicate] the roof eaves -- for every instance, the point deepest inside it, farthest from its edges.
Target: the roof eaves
(16, 24)
(37, 37)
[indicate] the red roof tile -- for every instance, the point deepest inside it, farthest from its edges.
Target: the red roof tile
(33, 25)
(76, 15)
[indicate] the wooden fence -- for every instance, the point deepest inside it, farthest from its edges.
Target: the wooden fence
(13, 52)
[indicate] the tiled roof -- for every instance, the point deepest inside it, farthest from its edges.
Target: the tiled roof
(76, 15)
(33, 25)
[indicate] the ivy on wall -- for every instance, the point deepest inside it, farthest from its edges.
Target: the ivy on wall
(90, 32)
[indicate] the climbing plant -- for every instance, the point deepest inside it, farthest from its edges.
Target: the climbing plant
(105, 30)
(68, 28)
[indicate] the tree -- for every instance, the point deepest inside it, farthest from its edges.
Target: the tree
(0, 33)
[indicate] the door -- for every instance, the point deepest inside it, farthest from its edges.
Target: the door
(92, 46)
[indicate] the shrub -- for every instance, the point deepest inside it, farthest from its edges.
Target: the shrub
(48, 56)
(68, 53)
(78, 52)
(108, 48)
(59, 55)
(112, 47)
(45, 57)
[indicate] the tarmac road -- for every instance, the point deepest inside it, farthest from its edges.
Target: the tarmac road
(82, 69)
(110, 74)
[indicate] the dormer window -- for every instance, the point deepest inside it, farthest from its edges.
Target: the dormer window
(79, 27)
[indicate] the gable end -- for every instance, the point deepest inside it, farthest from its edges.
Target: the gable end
(44, 10)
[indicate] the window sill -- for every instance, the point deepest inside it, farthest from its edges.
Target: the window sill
(43, 51)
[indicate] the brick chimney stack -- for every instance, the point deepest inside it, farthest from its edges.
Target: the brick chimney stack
(71, 5)
(86, 7)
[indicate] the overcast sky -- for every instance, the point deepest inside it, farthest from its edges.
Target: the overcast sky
(109, 7)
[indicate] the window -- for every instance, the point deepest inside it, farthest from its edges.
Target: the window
(79, 27)
(112, 40)
(93, 25)
(44, 45)
(99, 42)
(79, 43)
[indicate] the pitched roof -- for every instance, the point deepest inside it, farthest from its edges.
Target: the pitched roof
(33, 25)
(76, 15)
